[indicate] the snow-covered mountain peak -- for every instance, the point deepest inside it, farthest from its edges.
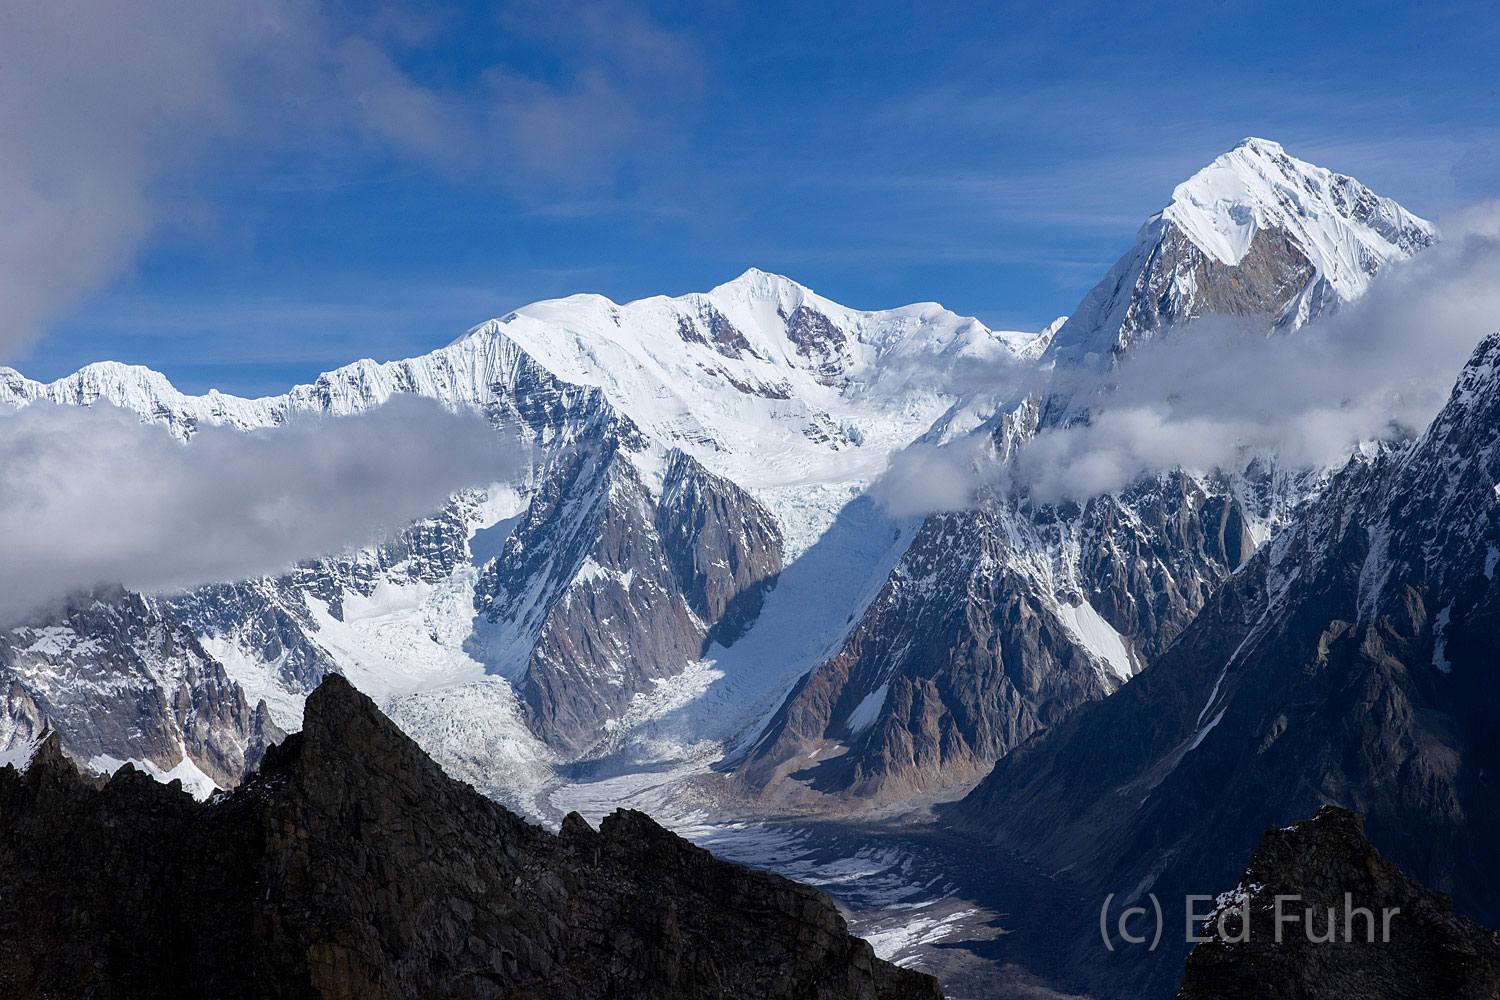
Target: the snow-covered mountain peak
(1257, 233)
(761, 379)
(758, 285)
(110, 381)
(141, 390)
(1342, 226)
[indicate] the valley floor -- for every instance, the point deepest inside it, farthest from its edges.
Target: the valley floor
(976, 918)
(982, 920)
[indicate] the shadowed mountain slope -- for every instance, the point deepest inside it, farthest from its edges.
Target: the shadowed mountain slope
(1422, 952)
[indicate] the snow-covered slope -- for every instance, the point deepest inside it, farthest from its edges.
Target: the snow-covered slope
(760, 355)
(998, 620)
(761, 378)
(1255, 233)
(691, 570)
(601, 588)
(1346, 230)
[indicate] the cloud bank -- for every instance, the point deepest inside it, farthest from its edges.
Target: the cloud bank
(1219, 392)
(93, 497)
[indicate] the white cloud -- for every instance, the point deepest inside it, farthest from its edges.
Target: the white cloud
(101, 101)
(1219, 391)
(111, 108)
(92, 496)
(927, 477)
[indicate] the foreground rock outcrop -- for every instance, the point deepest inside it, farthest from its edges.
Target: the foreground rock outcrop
(351, 866)
(1419, 948)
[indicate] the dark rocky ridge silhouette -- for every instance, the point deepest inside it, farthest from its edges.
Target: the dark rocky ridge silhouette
(1327, 861)
(351, 866)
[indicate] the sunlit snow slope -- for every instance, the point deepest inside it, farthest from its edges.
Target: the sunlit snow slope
(760, 385)
(690, 570)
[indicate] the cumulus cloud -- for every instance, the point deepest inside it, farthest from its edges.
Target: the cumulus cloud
(1218, 392)
(110, 108)
(957, 459)
(94, 497)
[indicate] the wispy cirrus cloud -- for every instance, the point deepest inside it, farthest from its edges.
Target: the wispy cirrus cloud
(110, 109)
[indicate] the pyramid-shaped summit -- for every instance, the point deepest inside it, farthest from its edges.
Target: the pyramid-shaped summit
(1258, 234)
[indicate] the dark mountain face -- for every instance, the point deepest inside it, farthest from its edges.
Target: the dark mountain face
(350, 866)
(1176, 282)
(621, 588)
(1350, 662)
(956, 660)
(1392, 939)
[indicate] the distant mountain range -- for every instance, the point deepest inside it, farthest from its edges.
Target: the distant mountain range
(692, 597)
(691, 572)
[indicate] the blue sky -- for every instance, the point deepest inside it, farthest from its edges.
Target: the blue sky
(248, 195)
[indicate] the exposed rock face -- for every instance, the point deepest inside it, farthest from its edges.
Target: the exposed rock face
(274, 620)
(976, 641)
(999, 620)
(712, 328)
(1151, 555)
(1422, 952)
(116, 675)
(1257, 233)
(604, 585)
(1349, 661)
(622, 587)
(819, 341)
(956, 660)
(352, 867)
(723, 548)
(1176, 282)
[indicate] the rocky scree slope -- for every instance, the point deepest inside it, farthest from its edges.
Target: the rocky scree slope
(351, 866)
